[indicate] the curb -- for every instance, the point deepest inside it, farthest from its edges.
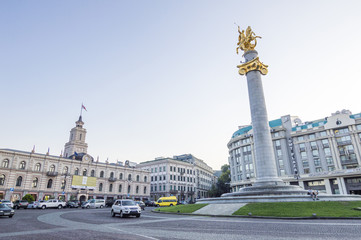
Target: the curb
(260, 217)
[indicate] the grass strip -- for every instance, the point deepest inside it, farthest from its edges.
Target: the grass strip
(302, 209)
(188, 208)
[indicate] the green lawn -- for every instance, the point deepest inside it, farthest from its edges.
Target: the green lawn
(188, 208)
(302, 209)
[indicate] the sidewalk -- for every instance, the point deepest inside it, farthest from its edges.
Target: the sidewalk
(220, 209)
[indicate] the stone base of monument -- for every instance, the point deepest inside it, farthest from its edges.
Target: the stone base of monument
(287, 193)
(278, 198)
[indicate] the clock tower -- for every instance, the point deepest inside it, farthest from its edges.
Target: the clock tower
(76, 142)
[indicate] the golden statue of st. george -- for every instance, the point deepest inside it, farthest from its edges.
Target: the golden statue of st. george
(245, 39)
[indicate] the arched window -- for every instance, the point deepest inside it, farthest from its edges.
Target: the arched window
(19, 181)
(111, 174)
(52, 168)
(121, 176)
(63, 183)
(22, 165)
(120, 188)
(100, 187)
(35, 182)
(129, 189)
(145, 179)
(2, 180)
(137, 178)
(137, 190)
(50, 183)
(111, 188)
(130, 177)
(65, 170)
(5, 163)
(102, 174)
(76, 171)
(85, 172)
(145, 190)
(92, 173)
(37, 167)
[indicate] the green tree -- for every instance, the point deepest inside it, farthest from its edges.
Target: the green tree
(29, 198)
(223, 184)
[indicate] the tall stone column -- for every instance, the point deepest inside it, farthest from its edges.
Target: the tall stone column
(266, 169)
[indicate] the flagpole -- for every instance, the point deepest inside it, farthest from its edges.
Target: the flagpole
(81, 109)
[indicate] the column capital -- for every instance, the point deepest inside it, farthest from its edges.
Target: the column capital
(253, 65)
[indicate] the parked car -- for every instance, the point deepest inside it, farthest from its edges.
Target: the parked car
(31, 205)
(85, 204)
(125, 207)
(149, 203)
(37, 203)
(109, 203)
(52, 203)
(97, 203)
(6, 211)
(21, 204)
(140, 204)
(7, 203)
(72, 204)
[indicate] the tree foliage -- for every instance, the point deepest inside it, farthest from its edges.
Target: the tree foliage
(29, 198)
(222, 185)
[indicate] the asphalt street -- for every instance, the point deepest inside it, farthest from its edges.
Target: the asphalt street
(98, 224)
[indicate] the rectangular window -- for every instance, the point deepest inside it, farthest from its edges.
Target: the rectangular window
(318, 169)
(311, 136)
(305, 163)
(327, 151)
(279, 152)
(306, 170)
(317, 162)
(325, 143)
(315, 153)
(300, 138)
(329, 160)
(331, 168)
(323, 134)
(303, 155)
(358, 127)
(277, 143)
(302, 147)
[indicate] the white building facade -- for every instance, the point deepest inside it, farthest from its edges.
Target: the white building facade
(74, 176)
(323, 155)
(184, 176)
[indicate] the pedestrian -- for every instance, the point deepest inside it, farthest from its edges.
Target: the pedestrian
(309, 191)
(316, 195)
(313, 195)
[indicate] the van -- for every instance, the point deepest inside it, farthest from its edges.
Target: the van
(97, 203)
(166, 201)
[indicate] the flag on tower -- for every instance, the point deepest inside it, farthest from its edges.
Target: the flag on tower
(82, 106)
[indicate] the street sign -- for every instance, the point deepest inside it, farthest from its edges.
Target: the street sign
(12, 189)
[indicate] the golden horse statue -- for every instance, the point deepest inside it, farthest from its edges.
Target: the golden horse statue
(245, 39)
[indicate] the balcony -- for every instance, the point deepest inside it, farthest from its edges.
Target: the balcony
(51, 174)
(112, 179)
(342, 143)
(349, 161)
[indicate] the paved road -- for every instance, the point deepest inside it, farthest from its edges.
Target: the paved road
(98, 224)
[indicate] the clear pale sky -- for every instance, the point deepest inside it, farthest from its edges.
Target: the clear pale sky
(159, 78)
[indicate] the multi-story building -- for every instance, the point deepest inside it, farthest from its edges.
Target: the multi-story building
(75, 175)
(184, 176)
(323, 155)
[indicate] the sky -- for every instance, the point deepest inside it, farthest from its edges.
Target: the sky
(159, 78)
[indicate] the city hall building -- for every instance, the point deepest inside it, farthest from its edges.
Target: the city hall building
(322, 155)
(73, 175)
(183, 176)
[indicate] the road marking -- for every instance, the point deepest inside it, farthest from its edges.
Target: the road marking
(134, 234)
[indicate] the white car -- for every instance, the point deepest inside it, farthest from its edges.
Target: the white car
(125, 207)
(7, 203)
(52, 203)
